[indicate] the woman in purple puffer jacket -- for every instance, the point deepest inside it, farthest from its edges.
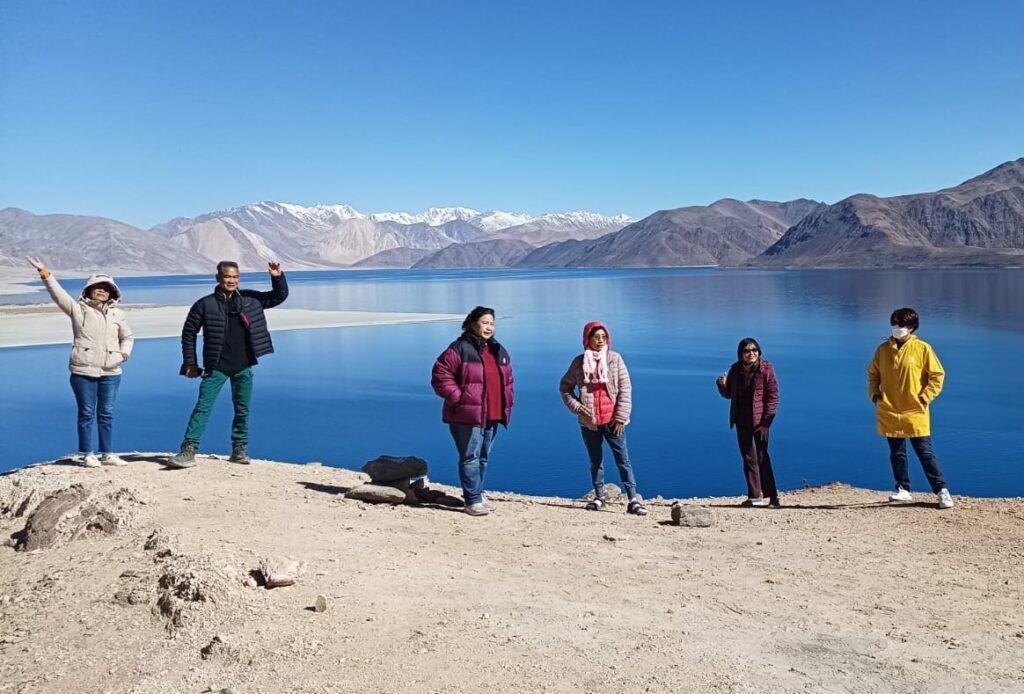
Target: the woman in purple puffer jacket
(474, 378)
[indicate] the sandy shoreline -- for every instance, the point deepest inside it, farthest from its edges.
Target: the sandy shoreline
(838, 591)
(44, 324)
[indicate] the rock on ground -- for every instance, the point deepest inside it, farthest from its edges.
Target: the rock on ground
(389, 468)
(692, 516)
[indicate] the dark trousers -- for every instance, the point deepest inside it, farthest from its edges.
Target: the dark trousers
(757, 464)
(923, 448)
(594, 440)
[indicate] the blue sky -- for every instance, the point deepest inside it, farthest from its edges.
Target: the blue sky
(143, 111)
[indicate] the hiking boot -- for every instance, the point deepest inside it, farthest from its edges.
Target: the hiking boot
(477, 509)
(945, 500)
(901, 495)
(90, 460)
(239, 454)
(186, 457)
(112, 460)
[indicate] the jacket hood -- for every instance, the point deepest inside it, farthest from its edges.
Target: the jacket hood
(100, 278)
(591, 327)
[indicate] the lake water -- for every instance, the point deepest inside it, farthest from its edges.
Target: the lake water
(343, 396)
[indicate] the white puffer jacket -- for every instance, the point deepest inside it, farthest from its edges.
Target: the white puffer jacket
(101, 330)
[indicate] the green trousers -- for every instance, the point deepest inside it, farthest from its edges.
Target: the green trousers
(209, 389)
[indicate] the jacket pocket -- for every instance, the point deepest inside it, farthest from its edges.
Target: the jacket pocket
(113, 360)
(80, 355)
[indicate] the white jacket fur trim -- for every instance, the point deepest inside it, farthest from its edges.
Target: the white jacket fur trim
(101, 331)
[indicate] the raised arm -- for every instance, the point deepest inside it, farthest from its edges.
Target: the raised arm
(278, 288)
(724, 386)
(57, 292)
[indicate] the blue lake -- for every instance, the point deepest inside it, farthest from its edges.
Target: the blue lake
(343, 396)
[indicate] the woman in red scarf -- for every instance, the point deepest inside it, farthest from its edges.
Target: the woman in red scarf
(596, 388)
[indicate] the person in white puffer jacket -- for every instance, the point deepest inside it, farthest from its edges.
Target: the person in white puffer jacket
(102, 342)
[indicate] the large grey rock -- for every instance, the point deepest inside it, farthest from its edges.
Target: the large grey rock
(281, 571)
(388, 468)
(692, 516)
(377, 494)
(610, 492)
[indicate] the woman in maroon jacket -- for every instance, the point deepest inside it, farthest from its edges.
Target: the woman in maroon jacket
(754, 391)
(474, 378)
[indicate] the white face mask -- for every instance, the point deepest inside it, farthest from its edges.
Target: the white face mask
(900, 333)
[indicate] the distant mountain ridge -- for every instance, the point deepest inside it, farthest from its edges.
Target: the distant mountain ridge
(979, 222)
(320, 236)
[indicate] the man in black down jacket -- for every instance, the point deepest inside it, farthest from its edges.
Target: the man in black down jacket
(235, 335)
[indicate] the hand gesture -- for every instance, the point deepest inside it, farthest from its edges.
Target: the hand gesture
(721, 381)
(39, 266)
(585, 411)
(763, 431)
(192, 371)
(618, 427)
(275, 269)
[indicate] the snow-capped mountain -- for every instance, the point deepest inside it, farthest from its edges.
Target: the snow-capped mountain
(340, 235)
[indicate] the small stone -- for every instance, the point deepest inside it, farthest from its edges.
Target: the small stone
(281, 571)
(692, 516)
(615, 537)
(610, 492)
(320, 605)
(377, 494)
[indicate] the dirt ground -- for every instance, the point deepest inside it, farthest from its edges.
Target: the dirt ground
(148, 585)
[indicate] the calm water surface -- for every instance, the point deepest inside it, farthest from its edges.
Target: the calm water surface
(343, 396)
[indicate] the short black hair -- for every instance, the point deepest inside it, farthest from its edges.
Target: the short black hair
(474, 316)
(905, 318)
(226, 263)
(743, 344)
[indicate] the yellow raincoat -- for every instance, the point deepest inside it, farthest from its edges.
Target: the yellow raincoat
(902, 382)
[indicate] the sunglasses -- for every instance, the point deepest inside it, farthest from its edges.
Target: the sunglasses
(751, 350)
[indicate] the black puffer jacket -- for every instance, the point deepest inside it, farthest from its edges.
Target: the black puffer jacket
(209, 314)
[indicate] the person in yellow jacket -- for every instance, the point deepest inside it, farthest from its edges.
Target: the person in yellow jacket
(904, 377)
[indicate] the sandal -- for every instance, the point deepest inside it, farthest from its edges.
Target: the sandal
(636, 508)
(595, 505)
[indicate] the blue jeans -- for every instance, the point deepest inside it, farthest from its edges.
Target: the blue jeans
(95, 396)
(474, 447)
(923, 448)
(594, 441)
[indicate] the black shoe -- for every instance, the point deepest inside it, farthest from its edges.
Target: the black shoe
(239, 454)
(774, 502)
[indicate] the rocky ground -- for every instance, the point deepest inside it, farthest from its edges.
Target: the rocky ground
(143, 579)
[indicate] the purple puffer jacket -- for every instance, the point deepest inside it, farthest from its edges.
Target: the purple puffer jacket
(766, 395)
(458, 377)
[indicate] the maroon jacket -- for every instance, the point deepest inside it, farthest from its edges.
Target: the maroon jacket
(458, 377)
(766, 395)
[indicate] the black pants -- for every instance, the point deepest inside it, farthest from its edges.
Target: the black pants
(757, 464)
(923, 447)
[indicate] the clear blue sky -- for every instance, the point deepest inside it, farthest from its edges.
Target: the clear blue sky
(143, 111)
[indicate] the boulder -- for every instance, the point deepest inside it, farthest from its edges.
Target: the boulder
(611, 493)
(377, 494)
(692, 516)
(389, 468)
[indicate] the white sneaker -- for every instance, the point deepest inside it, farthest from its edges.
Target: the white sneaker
(90, 460)
(760, 501)
(488, 504)
(945, 500)
(901, 495)
(112, 460)
(477, 510)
